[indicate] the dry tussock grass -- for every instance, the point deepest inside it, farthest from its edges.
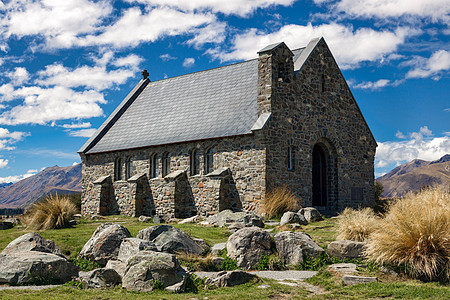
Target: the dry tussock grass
(356, 225)
(279, 201)
(415, 232)
(196, 262)
(51, 213)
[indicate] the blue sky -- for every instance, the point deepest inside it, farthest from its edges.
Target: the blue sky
(65, 65)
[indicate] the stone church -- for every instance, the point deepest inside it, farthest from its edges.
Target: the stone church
(223, 138)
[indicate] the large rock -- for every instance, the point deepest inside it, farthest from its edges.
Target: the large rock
(248, 245)
(311, 214)
(170, 239)
(224, 278)
(104, 243)
(228, 217)
(146, 267)
(117, 265)
(346, 249)
(101, 278)
(132, 246)
(32, 242)
(35, 267)
(293, 247)
(292, 217)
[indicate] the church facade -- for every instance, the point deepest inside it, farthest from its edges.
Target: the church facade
(223, 138)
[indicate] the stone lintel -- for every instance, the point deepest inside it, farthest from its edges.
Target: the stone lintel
(102, 180)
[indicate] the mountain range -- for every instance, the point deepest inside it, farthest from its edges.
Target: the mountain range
(414, 175)
(61, 180)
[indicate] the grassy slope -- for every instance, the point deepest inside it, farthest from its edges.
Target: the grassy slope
(72, 239)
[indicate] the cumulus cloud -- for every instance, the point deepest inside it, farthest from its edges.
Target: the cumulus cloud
(43, 105)
(7, 138)
(435, 10)
(372, 85)
(188, 62)
(83, 132)
(166, 57)
(16, 178)
(214, 33)
(19, 76)
(438, 63)
(77, 125)
(3, 163)
(421, 145)
(235, 7)
(349, 46)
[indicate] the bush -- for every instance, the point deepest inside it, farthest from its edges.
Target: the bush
(415, 233)
(228, 264)
(270, 262)
(279, 201)
(356, 225)
(51, 213)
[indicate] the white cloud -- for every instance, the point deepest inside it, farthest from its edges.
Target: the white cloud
(166, 57)
(7, 138)
(83, 132)
(435, 9)
(135, 27)
(350, 47)
(373, 85)
(214, 33)
(18, 76)
(3, 163)
(420, 145)
(400, 135)
(131, 60)
(59, 22)
(16, 178)
(235, 7)
(438, 63)
(77, 125)
(188, 62)
(43, 105)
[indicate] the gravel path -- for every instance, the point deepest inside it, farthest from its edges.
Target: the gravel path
(277, 275)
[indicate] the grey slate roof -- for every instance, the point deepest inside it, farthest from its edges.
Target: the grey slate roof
(214, 103)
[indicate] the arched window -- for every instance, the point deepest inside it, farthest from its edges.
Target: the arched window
(118, 169)
(209, 161)
(165, 164)
(154, 166)
(129, 167)
(195, 163)
(290, 158)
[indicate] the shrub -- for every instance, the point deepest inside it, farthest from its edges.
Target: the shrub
(415, 233)
(228, 264)
(84, 264)
(279, 201)
(270, 262)
(51, 213)
(356, 225)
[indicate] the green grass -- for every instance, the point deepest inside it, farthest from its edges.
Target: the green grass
(71, 240)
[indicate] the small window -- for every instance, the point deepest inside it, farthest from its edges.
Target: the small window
(118, 169)
(290, 158)
(154, 166)
(165, 164)
(129, 167)
(209, 161)
(195, 163)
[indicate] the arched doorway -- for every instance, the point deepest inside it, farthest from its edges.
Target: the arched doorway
(319, 176)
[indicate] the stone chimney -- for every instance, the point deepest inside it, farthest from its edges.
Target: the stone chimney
(275, 69)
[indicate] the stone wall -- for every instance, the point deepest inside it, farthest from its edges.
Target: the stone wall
(243, 187)
(316, 107)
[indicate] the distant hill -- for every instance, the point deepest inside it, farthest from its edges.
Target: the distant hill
(416, 174)
(62, 180)
(5, 184)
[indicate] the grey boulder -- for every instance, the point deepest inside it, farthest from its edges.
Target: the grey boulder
(147, 267)
(292, 217)
(311, 214)
(346, 249)
(104, 243)
(228, 217)
(132, 246)
(32, 242)
(351, 279)
(172, 240)
(33, 266)
(117, 265)
(144, 219)
(248, 245)
(101, 278)
(293, 247)
(232, 278)
(343, 268)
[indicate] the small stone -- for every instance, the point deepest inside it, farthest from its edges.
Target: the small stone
(346, 249)
(144, 219)
(200, 185)
(311, 214)
(292, 217)
(352, 279)
(343, 268)
(263, 286)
